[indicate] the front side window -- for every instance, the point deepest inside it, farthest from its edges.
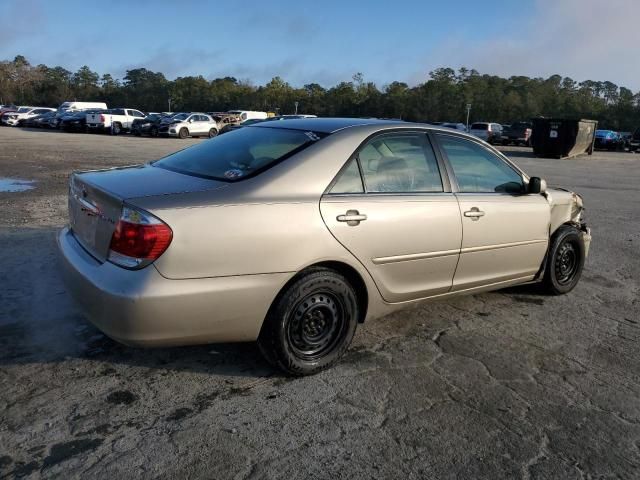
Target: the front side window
(239, 154)
(478, 170)
(400, 163)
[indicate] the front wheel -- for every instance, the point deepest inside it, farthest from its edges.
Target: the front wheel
(154, 131)
(311, 323)
(565, 261)
(183, 133)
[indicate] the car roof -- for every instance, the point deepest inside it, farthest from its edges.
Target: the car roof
(326, 125)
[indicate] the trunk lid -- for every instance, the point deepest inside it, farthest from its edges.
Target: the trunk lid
(96, 199)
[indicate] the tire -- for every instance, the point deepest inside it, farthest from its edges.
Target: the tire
(213, 132)
(137, 133)
(565, 261)
(311, 323)
(116, 129)
(183, 133)
(154, 131)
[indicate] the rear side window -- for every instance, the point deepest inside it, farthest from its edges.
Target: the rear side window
(393, 163)
(350, 180)
(477, 170)
(239, 154)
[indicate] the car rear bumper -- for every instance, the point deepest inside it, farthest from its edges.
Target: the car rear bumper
(143, 308)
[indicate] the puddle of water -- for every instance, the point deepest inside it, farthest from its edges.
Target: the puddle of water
(15, 184)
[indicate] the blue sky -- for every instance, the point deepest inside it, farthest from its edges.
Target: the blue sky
(328, 41)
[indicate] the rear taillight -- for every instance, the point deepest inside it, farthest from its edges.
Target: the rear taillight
(101, 118)
(138, 239)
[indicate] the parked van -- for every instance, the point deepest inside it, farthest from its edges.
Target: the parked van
(249, 115)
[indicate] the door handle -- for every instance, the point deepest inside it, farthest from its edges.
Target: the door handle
(352, 217)
(475, 213)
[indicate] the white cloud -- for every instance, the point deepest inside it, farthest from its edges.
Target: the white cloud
(582, 39)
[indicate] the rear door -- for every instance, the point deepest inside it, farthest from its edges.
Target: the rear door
(505, 229)
(392, 209)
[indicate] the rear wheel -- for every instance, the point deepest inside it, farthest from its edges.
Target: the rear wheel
(213, 132)
(311, 323)
(565, 261)
(183, 133)
(116, 129)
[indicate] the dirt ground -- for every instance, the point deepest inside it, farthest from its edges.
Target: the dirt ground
(510, 384)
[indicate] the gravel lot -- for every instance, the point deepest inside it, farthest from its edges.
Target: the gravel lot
(510, 384)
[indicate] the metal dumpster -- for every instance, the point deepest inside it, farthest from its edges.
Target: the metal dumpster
(561, 137)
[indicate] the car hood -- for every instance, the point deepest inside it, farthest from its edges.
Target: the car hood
(147, 181)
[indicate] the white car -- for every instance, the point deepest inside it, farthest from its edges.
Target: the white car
(249, 115)
(12, 119)
(193, 124)
(489, 132)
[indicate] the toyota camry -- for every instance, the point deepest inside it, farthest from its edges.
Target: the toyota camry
(293, 233)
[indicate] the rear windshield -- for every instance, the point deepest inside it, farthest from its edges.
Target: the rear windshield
(480, 126)
(239, 154)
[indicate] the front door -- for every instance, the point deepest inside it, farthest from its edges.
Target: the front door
(505, 230)
(390, 208)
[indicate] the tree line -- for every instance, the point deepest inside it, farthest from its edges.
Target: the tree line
(443, 96)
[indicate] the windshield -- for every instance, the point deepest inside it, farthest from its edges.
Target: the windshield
(24, 109)
(180, 116)
(239, 154)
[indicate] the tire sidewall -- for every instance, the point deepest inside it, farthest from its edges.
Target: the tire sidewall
(183, 133)
(563, 235)
(213, 133)
(273, 339)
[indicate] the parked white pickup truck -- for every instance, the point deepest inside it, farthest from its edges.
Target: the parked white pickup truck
(115, 120)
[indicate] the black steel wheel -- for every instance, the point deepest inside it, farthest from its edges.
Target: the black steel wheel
(311, 323)
(565, 260)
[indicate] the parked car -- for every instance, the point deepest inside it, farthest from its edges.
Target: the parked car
(608, 140)
(39, 121)
(16, 118)
(634, 141)
(461, 127)
(71, 107)
(186, 125)
(114, 120)
(77, 121)
(225, 120)
(625, 139)
(148, 125)
(249, 114)
(518, 133)
(489, 132)
(291, 233)
(245, 123)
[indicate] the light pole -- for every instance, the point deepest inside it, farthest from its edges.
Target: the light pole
(169, 104)
(296, 104)
(468, 111)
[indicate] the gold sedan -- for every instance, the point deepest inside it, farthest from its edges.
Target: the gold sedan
(291, 233)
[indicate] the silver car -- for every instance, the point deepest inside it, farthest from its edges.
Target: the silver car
(185, 125)
(292, 233)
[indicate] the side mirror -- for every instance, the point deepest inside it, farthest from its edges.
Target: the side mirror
(537, 185)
